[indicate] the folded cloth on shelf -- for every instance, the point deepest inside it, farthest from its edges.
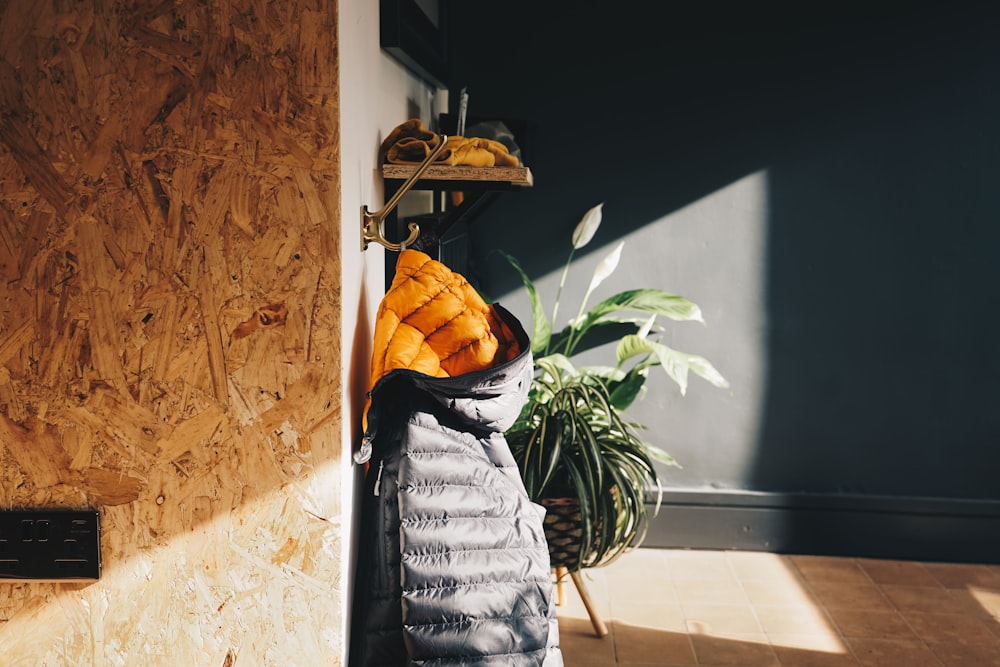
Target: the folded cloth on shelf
(411, 143)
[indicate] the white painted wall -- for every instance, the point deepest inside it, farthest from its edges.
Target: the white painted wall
(376, 94)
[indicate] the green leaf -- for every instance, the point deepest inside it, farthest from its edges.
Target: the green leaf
(610, 329)
(675, 363)
(646, 301)
(541, 330)
(607, 374)
(658, 454)
(632, 346)
(624, 393)
(584, 492)
(590, 453)
(555, 367)
(704, 368)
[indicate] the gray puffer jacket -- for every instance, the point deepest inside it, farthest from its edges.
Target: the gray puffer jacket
(453, 566)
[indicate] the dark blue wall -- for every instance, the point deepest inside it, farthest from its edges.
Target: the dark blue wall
(879, 130)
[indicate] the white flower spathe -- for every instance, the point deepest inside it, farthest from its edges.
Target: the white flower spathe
(647, 327)
(606, 266)
(587, 227)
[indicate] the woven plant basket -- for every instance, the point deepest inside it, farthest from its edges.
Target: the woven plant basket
(563, 530)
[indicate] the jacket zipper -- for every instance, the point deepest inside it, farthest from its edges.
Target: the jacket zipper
(372, 567)
(378, 479)
(381, 553)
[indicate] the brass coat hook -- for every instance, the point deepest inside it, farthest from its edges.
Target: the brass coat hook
(371, 223)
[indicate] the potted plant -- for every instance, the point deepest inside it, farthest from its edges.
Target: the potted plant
(578, 452)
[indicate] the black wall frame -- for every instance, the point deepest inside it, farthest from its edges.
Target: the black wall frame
(421, 44)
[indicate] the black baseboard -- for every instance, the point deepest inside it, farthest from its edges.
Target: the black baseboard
(905, 528)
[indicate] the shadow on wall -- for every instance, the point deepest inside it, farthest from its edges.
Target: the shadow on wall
(877, 129)
(882, 273)
(651, 115)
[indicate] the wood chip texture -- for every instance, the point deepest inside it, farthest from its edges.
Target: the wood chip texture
(169, 326)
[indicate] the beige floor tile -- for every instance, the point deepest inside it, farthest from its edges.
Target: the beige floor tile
(650, 591)
(637, 565)
(641, 644)
(574, 607)
(764, 592)
(710, 592)
(574, 611)
(745, 651)
(793, 620)
(581, 648)
(871, 624)
(699, 566)
(692, 571)
(662, 616)
(961, 575)
(991, 575)
(720, 619)
(797, 657)
(931, 599)
(987, 599)
(897, 572)
(763, 567)
(950, 628)
(648, 561)
(974, 601)
(834, 595)
(829, 569)
(893, 653)
(639, 584)
(694, 555)
(960, 654)
(825, 642)
(682, 608)
(596, 585)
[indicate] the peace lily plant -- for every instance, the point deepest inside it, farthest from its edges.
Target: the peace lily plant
(572, 439)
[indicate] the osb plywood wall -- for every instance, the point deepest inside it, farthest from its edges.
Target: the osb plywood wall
(169, 318)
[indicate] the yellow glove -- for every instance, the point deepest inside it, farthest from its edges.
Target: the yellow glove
(411, 142)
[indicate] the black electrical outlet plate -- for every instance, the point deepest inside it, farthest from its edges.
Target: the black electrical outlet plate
(50, 545)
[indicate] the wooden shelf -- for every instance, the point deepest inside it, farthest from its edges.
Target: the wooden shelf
(479, 187)
(447, 177)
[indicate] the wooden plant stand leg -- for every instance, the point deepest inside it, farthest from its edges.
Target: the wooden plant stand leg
(560, 586)
(600, 629)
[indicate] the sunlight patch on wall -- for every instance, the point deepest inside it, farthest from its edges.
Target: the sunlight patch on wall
(260, 584)
(714, 252)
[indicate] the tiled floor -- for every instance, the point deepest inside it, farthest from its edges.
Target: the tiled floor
(675, 608)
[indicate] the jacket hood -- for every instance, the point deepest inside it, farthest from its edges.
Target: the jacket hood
(433, 321)
(490, 399)
(434, 330)
(486, 400)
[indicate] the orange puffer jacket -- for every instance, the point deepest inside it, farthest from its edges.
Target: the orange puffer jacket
(432, 321)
